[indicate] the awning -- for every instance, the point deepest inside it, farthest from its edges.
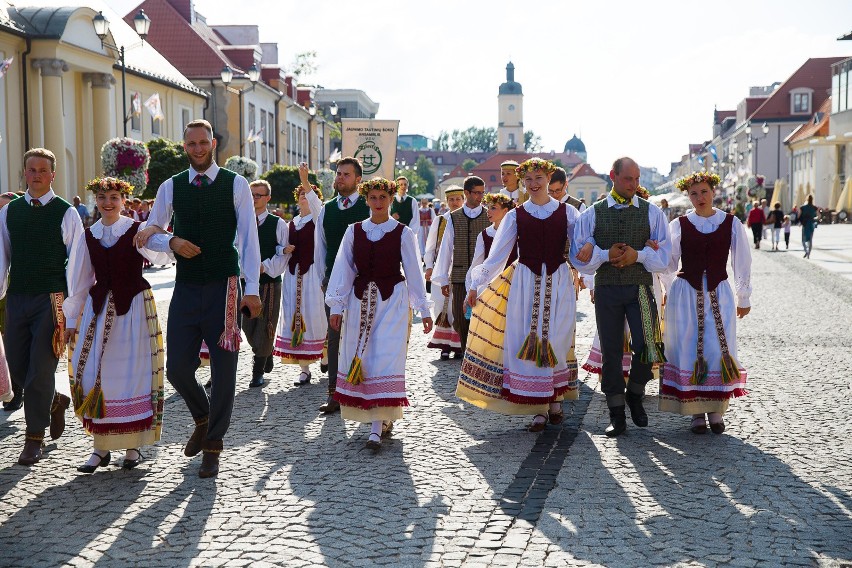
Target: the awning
(844, 202)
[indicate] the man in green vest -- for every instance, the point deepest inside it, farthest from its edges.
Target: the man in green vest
(404, 207)
(213, 211)
(260, 331)
(457, 248)
(42, 257)
(337, 214)
(622, 260)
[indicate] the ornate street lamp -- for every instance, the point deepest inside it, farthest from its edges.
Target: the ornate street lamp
(227, 75)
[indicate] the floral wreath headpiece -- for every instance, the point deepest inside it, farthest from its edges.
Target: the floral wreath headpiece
(498, 198)
(686, 182)
(379, 183)
(535, 164)
(109, 184)
(299, 188)
(643, 192)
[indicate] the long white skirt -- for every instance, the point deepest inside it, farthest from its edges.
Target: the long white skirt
(677, 394)
(381, 396)
(444, 337)
(313, 314)
(131, 375)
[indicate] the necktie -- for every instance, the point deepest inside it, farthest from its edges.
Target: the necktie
(35, 203)
(618, 199)
(200, 180)
(345, 202)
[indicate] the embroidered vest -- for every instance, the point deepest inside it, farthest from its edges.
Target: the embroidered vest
(702, 253)
(542, 241)
(117, 268)
(267, 236)
(425, 218)
(628, 225)
(38, 254)
(378, 261)
(465, 231)
(334, 224)
(403, 209)
(303, 240)
(487, 241)
(206, 217)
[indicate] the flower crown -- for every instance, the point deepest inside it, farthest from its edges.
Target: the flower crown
(643, 192)
(298, 190)
(535, 164)
(379, 183)
(686, 182)
(109, 184)
(498, 198)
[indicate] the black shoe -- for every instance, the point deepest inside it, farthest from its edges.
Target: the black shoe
(208, 384)
(270, 364)
(617, 422)
(445, 355)
(257, 367)
(323, 367)
(637, 411)
(130, 464)
(86, 468)
(257, 382)
(16, 403)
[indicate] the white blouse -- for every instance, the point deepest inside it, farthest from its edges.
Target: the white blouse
(740, 251)
(276, 265)
(340, 285)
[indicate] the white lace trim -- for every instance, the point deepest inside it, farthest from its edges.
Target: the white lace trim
(109, 234)
(541, 211)
(376, 232)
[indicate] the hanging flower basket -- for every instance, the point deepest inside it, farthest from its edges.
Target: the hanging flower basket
(243, 166)
(126, 159)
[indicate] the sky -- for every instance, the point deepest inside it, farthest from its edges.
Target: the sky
(630, 78)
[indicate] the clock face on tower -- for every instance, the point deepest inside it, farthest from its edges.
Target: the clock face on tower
(511, 107)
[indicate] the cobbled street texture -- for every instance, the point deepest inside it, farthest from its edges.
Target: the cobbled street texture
(457, 486)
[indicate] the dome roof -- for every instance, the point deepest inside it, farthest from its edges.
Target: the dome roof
(575, 145)
(511, 87)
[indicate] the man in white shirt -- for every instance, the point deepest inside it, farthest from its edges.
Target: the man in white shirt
(558, 190)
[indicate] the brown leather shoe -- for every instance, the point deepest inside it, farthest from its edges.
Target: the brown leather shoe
(331, 406)
(193, 445)
(57, 415)
(31, 454)
(210, 459)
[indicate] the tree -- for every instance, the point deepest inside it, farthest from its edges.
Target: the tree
(474, 139)
(167, 159)
(416, 184)
(469, 164)
(303, 64)
(424, 168)
(532, 143)
(442, 143)
(284, 180)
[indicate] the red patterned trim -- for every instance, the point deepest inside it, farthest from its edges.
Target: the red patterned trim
(367, 404)
(122, 428)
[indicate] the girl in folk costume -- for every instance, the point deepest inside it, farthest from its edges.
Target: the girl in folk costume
(302, 326)
(497, 205)
(426, 214)
(702, 373)
(524, 370)
(366, 284)
(116, 369)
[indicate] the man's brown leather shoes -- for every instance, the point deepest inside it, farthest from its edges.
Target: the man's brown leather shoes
(32, 448)
(57, 415)
(193, 445)
(330, 406)
(210, 458)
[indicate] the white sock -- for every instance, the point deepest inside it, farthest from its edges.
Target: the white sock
(131, 454)
(555, 407)
(306, 368)
(376, 428)
(95, 458)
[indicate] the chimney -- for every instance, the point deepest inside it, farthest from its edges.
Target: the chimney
(184, 8)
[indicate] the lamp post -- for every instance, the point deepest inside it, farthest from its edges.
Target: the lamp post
(333, 109)
(312, 112)
(227, 75)
(142, 24)
(753, 140)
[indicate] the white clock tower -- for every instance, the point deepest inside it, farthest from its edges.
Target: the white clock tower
(510, 103)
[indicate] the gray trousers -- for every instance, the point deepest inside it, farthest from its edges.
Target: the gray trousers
(29, 351)
(196, 312)
(612, 305)
(257, 329)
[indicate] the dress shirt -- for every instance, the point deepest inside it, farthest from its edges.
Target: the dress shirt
(444, 262)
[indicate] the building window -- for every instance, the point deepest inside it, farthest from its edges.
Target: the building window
(264, 156)
(185, 118)
(580, 195)
(155, 127)
(841, 164)
(493, 178)
(594, 196)
(802, 102)
(511, 140)
(136, 115)
(271, 135)
(439, 160)
(252, 125)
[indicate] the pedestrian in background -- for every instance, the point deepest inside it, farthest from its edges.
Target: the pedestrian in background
(777, 217)
(786, 226)
(808, 218)
(755, 222)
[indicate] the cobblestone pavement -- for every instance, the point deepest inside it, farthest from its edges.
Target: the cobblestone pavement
(458, 486)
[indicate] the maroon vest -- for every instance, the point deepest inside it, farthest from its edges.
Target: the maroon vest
(702, 253)
(303, 240)
(117, 268)
(488, 241)
(378, 261)
(542, 241)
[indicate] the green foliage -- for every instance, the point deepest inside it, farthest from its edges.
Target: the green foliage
(532, 142)
(416, 184)
(474, 139)
(167, 159)
(442, 143)
(284, 180)
(424, 168)
(469, 164)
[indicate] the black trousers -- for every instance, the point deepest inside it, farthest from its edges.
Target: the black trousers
(333, 353)
(28, 341)
(612, 305)
(196, 313)
(257, 329)
(757, 233)
(460, 323)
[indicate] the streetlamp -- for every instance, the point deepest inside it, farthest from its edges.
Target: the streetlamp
(142, 23)
(312, 112)
(753, 140)
(227, 75)
(333, 109)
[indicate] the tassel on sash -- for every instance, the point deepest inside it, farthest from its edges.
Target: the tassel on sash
(230, 338)
(654, 351)
(58, 323)
(297, 326)
(94, 404)
(531, 348)
(729, 366)
(546, 356)
(443, 320)
(368, 314)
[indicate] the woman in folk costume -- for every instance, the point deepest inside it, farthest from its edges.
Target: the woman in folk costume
(116, 370)
(302, 326)
(497, 205)
(702, 373)
(426, 215)
(524, 370)
(366, 284)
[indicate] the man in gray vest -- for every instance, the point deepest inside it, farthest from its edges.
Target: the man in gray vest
(42, 255)
(213, 210)
(337, 214)
(457, 248)
(621, 227)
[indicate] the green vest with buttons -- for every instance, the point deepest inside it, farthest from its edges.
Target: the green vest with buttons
(627, 225)
(267, 236)
(38, 254)
(335, 221)
(206, 217)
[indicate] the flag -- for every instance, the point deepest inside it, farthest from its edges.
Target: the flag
(252, 137)
(335, 156)
(5, 66)
(153, 106)
(712, 149)
(135, 105)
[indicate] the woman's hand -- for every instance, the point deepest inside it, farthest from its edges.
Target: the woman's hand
(743, 312)
(68, 335)
(335, 320)
(471, 298)
(427, 325)
(289, 249)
